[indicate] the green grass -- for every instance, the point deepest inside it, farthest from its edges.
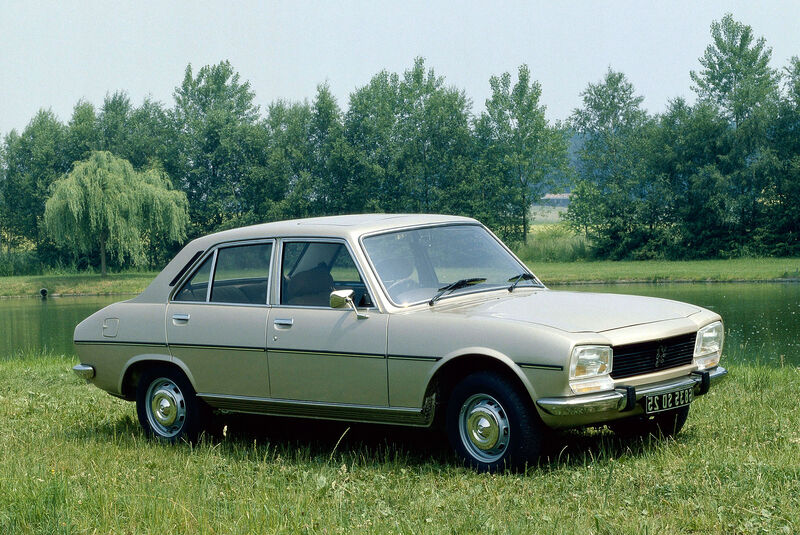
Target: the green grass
(75, 461)
(553, 243)
(737, 269)
(76, 284)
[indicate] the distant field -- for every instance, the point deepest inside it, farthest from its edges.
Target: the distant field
(744, 269)
(547, 215)
(75, 461)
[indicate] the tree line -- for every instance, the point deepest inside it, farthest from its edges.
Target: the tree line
(717, 178)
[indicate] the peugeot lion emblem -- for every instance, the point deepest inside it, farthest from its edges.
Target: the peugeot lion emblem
(661, 355)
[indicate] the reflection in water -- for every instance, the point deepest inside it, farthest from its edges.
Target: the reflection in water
(762, 320)
(35, 324)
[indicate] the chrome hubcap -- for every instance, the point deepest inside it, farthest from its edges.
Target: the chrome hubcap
(166, 407)
(484, 427)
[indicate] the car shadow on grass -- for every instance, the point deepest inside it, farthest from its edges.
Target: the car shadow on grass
(373, 443)
(326, 440)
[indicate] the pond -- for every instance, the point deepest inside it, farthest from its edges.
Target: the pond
(762, 320)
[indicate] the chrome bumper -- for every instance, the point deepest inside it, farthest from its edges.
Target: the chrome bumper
(84, 371)
(625, 398)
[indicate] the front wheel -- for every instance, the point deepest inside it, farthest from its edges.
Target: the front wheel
(491, 425)
(167, 406)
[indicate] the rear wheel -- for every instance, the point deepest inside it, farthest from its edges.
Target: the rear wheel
(491, 424)
(662, 425)
(167, 406)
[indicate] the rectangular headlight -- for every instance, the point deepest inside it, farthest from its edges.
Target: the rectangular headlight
(590, 361)
(708, 346)
(589, 367)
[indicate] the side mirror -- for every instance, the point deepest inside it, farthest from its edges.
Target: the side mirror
(343, 298)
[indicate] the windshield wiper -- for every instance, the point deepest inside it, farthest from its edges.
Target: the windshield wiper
(519, 278)
(461, 283)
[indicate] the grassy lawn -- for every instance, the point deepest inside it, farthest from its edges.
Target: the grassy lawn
(75, 462)
(114, 283)
(738, 269)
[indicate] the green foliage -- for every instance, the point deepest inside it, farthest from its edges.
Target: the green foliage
(103, 203)
(32, 161)
(523, 151)
(736, 75)
(18, 263)
(212, 114)
(614, 181)
(553, 243)
(717, 179)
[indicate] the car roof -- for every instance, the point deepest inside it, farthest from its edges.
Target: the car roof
(341, 226)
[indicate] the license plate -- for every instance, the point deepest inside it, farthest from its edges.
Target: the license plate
(668, 400)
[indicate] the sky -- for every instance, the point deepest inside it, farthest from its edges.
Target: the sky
(52, 54)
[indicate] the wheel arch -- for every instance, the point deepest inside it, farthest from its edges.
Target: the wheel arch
(455, 367)
(137, 365)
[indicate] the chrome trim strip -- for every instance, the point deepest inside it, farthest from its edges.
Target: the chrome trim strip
(414, 357)
(212, 274)
(324, 353)
(616, 401)
(327, 411)
(84, 371)
(223, 347)
(115, 342)
(532, 366)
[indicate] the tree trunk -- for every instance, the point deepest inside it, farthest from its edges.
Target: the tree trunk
(102, 255)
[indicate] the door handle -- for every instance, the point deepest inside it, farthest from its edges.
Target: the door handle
(180, 318)
(284, 323)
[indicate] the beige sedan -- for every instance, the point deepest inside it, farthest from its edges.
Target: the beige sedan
(397, 319)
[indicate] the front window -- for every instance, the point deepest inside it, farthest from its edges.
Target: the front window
(312, 270)
(415, 265)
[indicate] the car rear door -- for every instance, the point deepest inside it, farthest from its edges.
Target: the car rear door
(216, 320)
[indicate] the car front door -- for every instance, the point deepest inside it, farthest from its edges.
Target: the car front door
(217, 320)
(317, 353)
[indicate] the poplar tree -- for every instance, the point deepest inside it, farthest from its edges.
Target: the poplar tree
(104, 204)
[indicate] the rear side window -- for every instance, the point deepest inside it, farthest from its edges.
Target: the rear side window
(241, 274)
(196, 288)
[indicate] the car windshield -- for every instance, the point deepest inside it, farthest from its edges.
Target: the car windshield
(416, 265)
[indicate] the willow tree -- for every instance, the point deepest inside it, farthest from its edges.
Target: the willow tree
(103, 203)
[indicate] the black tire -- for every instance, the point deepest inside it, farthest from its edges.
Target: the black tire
(167, 406)
(492, 425)
(662, 425)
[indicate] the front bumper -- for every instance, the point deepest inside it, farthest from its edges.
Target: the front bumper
(625, 399)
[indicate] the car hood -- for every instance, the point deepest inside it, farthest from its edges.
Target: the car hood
(578, 311)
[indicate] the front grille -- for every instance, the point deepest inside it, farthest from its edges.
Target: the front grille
(653, 356)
